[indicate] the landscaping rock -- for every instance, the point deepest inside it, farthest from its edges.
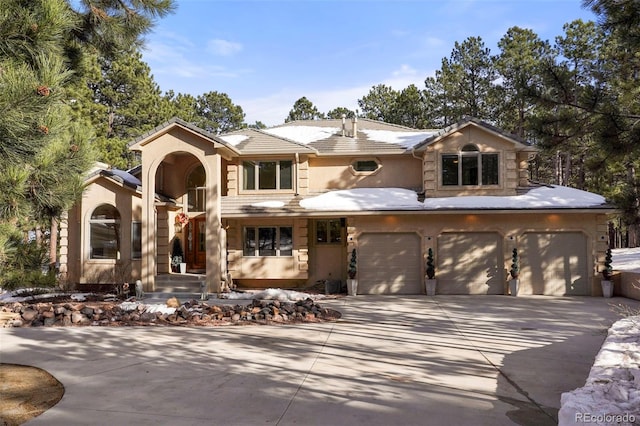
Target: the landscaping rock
(192, 312)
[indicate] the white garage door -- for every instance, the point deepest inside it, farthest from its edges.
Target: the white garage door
(554, 263)
(389, 264)
(470, 263)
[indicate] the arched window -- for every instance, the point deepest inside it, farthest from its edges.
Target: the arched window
(104, 233)
(470, 167)
(196, 190)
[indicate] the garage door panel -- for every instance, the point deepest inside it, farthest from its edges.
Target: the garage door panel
(391, 263)
(554, 264)
(470, 263)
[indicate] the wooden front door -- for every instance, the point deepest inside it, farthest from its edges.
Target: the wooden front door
(196, 244)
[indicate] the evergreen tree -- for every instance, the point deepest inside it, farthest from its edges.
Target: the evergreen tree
(303, 109)
(132, 104)
(467, 78)
(379, 104)
(338, 112)
(518, 64)
(410, 108)
(217, 113)
(44, 155)
(183, 106)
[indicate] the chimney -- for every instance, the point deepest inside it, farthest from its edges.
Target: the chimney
(344, 123)
(354, 125)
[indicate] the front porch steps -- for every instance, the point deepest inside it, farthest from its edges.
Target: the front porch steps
(182, 286)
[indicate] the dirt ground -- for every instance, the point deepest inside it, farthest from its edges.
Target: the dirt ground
(26, 392)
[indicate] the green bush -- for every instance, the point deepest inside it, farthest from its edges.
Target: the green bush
(23, 265)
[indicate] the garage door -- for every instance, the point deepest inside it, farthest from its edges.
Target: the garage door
(470, 263)
(554, 263)
(389, 264)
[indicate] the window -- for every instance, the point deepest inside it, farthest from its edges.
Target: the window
(268, 241)
(365, 166)
(470, 167)
(136, 240)
(196, 190)
(267, 175)
(328, 231)
(104, 233)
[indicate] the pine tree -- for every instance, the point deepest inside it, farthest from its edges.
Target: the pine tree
(44, 155)
(304, 109)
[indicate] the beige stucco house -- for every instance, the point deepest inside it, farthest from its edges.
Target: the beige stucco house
(285, 206)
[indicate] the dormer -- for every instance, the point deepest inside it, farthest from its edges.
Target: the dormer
(474, 158)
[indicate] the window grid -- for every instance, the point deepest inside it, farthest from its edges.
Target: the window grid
(268, 241)
(470, 168)
(267, 175)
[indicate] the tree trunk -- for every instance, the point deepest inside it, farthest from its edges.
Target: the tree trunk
(53, 244)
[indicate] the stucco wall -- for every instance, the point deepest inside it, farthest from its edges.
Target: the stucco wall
(513, 165)
(337, 173)
(294, 267)
(81, 268)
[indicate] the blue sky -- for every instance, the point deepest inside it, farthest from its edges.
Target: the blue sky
(267, 54)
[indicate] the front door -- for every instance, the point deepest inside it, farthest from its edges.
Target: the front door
(196, 244)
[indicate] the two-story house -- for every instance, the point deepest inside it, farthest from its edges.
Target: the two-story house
(285, 207)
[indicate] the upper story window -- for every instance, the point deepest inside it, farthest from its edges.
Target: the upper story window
(196, 190)
(470, 167)
(365, 166)
(267, 175)
(104, 233)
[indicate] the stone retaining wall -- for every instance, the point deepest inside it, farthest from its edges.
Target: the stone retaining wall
(611, 394)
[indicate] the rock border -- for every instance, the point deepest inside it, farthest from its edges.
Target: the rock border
(173, 313)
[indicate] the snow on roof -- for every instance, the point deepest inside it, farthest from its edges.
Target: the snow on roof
(404, 139)
(303, 134)
(541, 197)
(233, 139)
(363, 199)
(268, 204)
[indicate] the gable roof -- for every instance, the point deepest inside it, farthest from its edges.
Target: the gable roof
(171, 124)
(470, 121)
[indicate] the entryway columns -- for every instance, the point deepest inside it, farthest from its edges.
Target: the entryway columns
(148, 272)
(215, 267)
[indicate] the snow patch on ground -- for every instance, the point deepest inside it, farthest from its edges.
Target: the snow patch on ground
(626, 259)
(273, 294)
(612, 390)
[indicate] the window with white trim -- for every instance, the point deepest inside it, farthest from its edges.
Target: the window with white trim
(261, 175)
(104, 233)
(266, 241)
(470, 167)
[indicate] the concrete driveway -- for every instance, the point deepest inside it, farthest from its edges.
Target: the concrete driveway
(414, 360)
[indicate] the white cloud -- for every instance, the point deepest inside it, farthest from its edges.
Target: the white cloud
(274, 108)
(223, 47)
